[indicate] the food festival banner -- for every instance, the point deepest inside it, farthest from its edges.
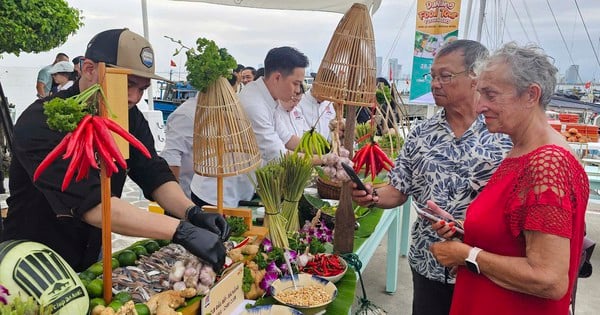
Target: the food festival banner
(437, 24)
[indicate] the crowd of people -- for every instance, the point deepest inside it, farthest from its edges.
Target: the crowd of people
(488, 159)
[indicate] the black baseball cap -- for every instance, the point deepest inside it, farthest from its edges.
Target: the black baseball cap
(122, 48)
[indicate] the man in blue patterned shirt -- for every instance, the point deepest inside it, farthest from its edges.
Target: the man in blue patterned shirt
(448, 159)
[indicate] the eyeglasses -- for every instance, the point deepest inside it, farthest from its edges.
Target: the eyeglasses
(443, 78)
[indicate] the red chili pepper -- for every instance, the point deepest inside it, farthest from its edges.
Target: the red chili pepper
(89, 146)
(105, 137)
(84, 167)
(110, 165)
(55, 153)
(127, 136)
(75, 160)
(358, 159)
(372, 157)
(77, 133)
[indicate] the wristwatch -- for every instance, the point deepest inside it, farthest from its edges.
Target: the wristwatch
(471, 261)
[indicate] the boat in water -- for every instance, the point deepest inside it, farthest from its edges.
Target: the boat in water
(171, 95)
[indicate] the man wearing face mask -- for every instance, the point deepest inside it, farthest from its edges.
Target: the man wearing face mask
(69, 222)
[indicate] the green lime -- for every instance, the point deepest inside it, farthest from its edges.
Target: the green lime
(152, 246)
(95, 288)
(96, 269)
(140, 250)
(127, 258)
(115, 263)
(163, 243)
(142, 309)
(115, 305)
(97, 301)
(122, 297)
(87, 275)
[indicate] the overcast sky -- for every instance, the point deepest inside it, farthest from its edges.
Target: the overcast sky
(249, 33)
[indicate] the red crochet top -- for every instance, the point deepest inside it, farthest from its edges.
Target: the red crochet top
(545, 190)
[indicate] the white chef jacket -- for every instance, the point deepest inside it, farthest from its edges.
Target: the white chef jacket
(311, 109)
(259, 105)
(179, 141)
(235, 188)
(289, 123)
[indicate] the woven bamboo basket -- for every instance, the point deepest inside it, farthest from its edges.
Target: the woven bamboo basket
(328, 189)
(348, 69)
(224, 143)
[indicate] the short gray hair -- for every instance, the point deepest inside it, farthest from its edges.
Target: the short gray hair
(527, 64)
(472, 51)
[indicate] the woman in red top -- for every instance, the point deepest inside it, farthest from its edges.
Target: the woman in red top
(524, 232)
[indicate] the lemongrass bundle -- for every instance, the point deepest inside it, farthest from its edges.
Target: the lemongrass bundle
(269, 186)
(296, 173)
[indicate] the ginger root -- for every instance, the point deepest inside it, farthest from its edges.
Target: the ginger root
(126, 309)
(166, 302)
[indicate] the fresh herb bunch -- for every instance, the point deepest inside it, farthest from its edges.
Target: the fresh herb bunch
(64, 114)
(237, 225)
(207, 63)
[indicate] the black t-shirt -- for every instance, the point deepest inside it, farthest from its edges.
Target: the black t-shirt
(40, 212)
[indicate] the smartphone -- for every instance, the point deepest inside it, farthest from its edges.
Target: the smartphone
(350, 171)
(427, 213)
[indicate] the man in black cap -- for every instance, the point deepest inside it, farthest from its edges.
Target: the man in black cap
(69, 222)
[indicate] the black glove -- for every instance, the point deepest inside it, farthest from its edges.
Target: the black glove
(201, 243)
(213, 222)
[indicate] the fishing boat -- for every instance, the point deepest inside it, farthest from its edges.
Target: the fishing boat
(171, 95)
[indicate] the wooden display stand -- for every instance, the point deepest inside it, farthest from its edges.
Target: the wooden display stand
(114, 85)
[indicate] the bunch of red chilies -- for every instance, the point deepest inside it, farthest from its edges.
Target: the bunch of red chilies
(324, 265)
(92, 134)
(372, 158)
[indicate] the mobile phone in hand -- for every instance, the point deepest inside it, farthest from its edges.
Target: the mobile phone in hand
(427, 213)
(350, 171)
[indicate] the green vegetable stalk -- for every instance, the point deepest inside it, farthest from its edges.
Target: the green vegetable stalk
(269, 186)
(296, 173)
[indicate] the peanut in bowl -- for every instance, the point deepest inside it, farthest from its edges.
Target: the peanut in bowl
(312, 293)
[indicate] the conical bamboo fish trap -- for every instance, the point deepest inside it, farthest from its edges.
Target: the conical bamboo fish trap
(224, 143)
(348, 69)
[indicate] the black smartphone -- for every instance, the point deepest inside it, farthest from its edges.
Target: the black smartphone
(350, 171)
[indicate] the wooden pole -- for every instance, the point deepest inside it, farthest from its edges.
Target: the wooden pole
(343, 240)
(105, 202)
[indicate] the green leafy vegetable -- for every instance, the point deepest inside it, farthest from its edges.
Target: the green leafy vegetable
(207, 63)
(64, 114)
(237, 225)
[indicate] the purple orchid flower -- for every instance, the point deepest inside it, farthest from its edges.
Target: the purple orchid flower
(269, 277)
(272, 268)
(267, 245)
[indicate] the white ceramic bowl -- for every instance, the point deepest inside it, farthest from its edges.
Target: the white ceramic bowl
(336, 278)
(303, 280)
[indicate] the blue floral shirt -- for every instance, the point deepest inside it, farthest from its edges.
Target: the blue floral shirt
(435, 165)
